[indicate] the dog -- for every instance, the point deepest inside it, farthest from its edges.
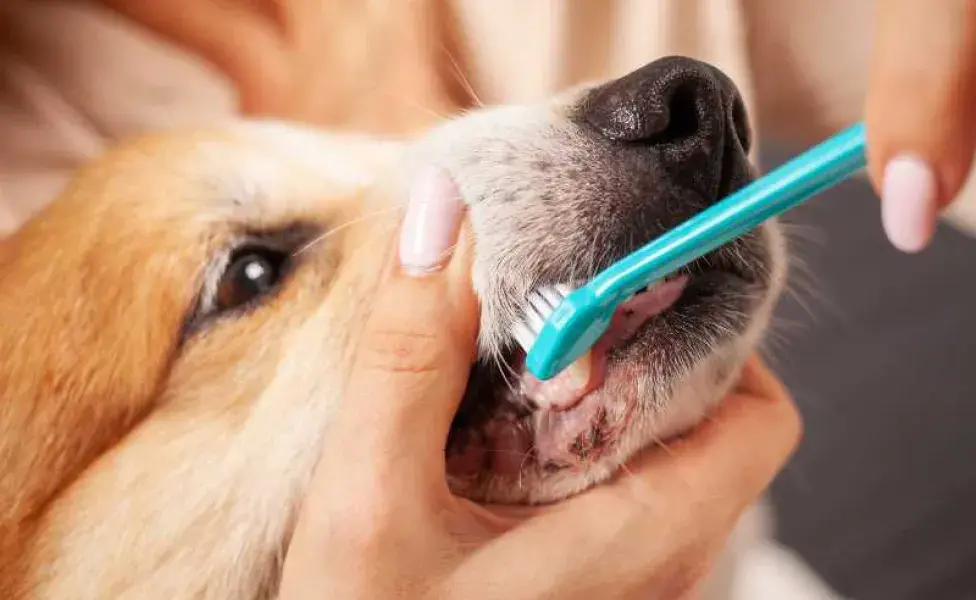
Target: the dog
(178, 324)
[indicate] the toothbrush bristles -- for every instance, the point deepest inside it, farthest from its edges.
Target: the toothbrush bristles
(552, 296)
(523, 335)
(542, 302)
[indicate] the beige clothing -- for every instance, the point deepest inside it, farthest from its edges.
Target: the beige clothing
(75, 78)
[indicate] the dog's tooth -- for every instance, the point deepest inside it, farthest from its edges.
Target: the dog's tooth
(565, 389)
(579, 372)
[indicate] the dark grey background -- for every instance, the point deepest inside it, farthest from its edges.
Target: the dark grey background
(878, 349)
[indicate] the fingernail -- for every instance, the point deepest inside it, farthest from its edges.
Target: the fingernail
(430, 226)
(908, 203)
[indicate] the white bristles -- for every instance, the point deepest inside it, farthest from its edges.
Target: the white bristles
(542, 302)
(523, 335)
(552, 296)
(535, 320)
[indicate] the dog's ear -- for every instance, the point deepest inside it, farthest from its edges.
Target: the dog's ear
(87, 331)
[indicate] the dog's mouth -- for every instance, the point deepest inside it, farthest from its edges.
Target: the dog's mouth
(513, 429)
(569, 387)
(553, 199)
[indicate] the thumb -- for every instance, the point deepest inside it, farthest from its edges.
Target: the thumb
(418, 343)
(921, 112)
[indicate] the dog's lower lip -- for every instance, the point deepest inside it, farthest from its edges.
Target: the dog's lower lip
(522, 427)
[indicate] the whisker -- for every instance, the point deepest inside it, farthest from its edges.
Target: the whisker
(664, 446)
(430, 111)
(528, 454)
(505, 370)
(461, 77)
(409, 103)
(626, 470)
(370, 216)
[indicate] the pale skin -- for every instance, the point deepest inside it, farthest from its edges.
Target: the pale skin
(921, 112)
(304, 60)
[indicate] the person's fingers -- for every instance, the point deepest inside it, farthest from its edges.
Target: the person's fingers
(756, 379)
(663, 514)
(383, 454)
(731, 457)
(418, 343)
(921, 112)
(255, 61)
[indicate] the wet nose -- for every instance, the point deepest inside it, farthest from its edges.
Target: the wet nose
(678, 104)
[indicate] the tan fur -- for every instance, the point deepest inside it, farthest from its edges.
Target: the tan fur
(82, 371)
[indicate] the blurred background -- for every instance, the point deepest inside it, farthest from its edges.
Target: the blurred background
(877, 348)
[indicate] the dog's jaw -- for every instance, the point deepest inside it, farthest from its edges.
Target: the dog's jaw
(545, 202)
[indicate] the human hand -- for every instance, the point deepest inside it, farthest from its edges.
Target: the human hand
(387, 67)
(380, 522)
(921, 112)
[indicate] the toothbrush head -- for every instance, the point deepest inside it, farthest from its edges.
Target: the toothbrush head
(560, 328)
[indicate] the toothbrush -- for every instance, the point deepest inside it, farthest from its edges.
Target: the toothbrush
(561, 325)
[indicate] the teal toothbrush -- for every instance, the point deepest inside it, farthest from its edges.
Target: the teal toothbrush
(562, 325)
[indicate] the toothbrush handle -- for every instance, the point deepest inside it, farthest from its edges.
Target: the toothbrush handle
(817, 169)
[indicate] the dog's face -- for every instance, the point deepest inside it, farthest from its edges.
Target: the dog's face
(555, 195)
(182, 321)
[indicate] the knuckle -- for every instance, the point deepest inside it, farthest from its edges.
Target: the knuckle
(682, 577)
(677, 575)
(788, 423)
(362, 525)
(401, 350)
(793, 421)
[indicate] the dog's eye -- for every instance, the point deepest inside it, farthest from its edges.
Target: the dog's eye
(247, 272)
(251, 273)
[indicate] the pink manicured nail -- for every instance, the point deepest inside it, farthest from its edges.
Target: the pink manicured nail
(430, 227)
(908, 209)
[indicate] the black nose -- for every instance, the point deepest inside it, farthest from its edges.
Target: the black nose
(678, 104)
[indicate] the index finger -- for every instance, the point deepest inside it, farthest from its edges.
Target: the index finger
(921, 111)
(414, 354)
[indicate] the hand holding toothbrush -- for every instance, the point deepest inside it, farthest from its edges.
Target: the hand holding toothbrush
(921, 112)
(918, 140)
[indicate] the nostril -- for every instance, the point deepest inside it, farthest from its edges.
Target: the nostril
(679, 105)
(740, 124)
(668, 102)
(669, 112)
(681, 120)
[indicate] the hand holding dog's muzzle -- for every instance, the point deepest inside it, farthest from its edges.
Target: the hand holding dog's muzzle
(381, 522)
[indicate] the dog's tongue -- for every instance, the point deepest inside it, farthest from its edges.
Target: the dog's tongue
(566, 389)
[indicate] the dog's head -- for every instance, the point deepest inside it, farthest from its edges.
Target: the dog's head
(177, 327)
